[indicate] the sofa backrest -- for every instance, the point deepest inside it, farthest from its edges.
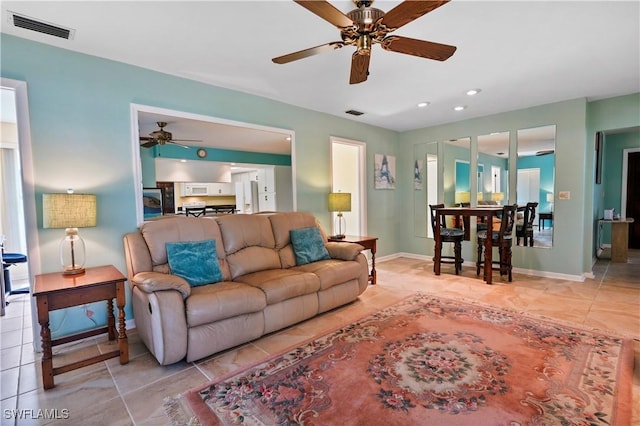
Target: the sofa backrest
(158, 233)
(249, 243)
(282, 224)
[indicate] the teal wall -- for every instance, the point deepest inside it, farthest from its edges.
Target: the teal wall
(565, 257)
(546, 164)
(80, 112)
(614, 146)
(622, 112)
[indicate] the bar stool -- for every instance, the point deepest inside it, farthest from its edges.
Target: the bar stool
(449, 235)
(502, 239)
(8, 260)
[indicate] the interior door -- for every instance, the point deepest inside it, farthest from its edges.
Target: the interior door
(633, 198)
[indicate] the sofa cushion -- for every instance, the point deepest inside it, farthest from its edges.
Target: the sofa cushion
(248, 243)
(195, 261)
(308, 245)
(223, 300)
(282, 284)
(158, 233)
(332, 272)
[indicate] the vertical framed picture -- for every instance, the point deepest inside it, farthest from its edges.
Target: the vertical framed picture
(599, 149)
(384, 171)
(418, 170)
(152, 202)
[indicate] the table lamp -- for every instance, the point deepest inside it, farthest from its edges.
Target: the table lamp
(550, 200)
(339, 202)
(462, 197)
(70, 211)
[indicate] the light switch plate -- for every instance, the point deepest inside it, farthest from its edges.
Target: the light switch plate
(564, 195)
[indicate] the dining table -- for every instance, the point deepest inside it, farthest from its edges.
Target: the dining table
(487, 212)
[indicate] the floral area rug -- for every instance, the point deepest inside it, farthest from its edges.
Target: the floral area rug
(433, 361)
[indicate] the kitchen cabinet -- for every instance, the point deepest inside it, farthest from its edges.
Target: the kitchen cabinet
(266, 180)
(267, 202)
(203, 189)
(221, 189)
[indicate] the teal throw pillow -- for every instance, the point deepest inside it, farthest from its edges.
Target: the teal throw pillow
(308, 245)
(195, 261)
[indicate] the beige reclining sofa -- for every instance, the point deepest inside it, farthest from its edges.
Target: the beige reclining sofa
(261, 285)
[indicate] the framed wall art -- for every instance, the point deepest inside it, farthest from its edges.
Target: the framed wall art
(384, 171)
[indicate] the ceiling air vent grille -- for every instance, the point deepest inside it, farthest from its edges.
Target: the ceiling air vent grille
(31, 24)
(354, 112)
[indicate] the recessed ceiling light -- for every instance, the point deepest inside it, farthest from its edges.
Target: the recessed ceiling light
(423, 104)
(473, 92)
(459, 108)
(183, 161)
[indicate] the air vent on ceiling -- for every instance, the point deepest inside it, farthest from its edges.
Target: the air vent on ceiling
(354, 112)
(31, 24)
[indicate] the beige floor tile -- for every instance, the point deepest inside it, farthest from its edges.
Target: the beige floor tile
(10, 357)
(140, 371)
(145, 404)
(72, 392)
(621, 318)
(9, 339)
(9, 381)
(220, 365)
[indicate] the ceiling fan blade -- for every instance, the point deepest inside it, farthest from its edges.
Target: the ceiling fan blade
(327, 12)
(146, 138)
(149, 144)
(308, 52)
(172, 142)
(422, 48)
(359, 67)
(185, 140)
(409, 10)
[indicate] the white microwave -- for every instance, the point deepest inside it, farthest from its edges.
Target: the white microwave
(196, 189)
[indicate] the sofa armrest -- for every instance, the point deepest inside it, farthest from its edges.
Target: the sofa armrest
(343, 250)
(150, 282)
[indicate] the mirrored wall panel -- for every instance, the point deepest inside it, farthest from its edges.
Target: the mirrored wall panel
(493, 169)
(425, 186)
(456, 176)
(535, 186)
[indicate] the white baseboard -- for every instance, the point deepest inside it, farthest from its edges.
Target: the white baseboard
(530, 272)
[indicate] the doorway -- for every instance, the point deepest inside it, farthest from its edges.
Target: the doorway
(631, 193)
(348, 174)
(27, 196)
(13, 237)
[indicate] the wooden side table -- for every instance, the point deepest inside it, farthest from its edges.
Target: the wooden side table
(56, 291)
(542, 216)
(369, 243)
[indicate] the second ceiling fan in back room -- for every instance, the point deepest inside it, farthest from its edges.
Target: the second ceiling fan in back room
(365, 26)
(162, 137)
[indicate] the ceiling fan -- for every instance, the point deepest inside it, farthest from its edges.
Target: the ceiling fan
(162, 137)
(365, 26)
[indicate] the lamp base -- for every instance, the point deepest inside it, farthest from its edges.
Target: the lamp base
(73, 271)
(337, 237)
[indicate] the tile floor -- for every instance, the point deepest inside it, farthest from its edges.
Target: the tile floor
(108, 393)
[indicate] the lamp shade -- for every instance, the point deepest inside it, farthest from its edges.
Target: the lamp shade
(462, 197)
(550, 197)
(68, 210)
(339, 202)
(497, 196)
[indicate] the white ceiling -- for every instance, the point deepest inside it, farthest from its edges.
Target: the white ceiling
(519, 53)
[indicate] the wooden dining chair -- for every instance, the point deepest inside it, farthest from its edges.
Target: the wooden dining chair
(502, 239)
(448, 235)
(196, 211)
(524, 229)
